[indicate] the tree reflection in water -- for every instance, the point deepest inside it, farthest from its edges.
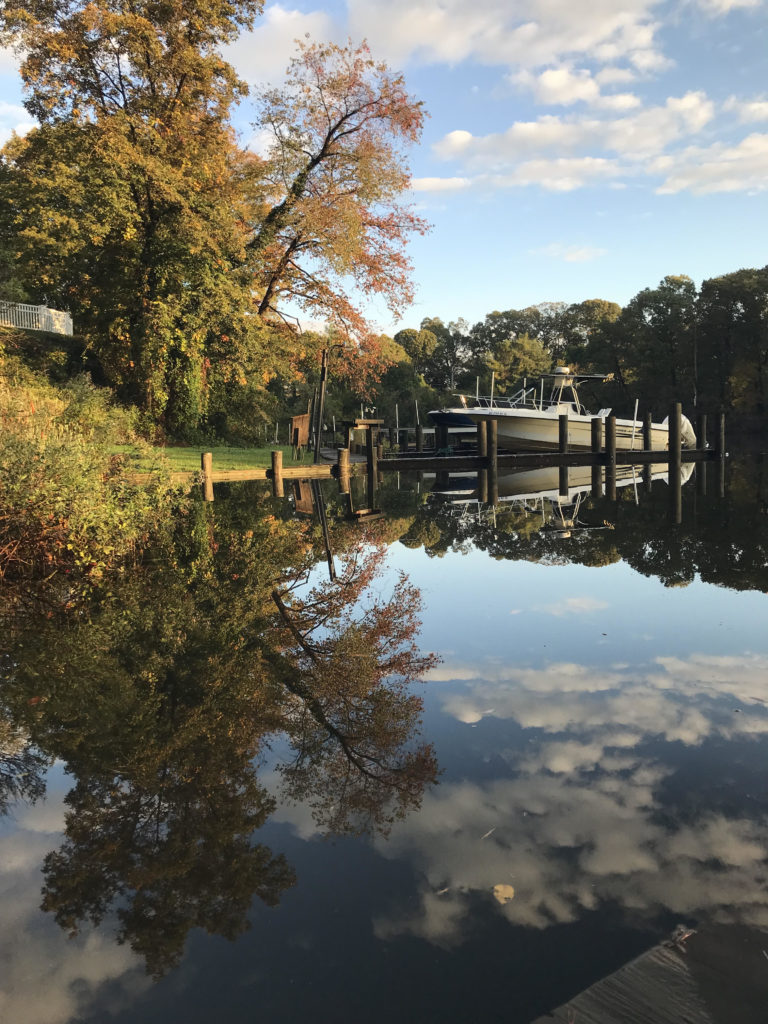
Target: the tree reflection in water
(160, 691)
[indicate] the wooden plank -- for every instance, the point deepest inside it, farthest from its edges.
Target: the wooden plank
(713, 976)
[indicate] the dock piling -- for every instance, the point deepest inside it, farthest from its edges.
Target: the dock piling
(277, 474)
(206, 464)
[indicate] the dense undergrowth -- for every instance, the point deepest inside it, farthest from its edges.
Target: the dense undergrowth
(66, 506)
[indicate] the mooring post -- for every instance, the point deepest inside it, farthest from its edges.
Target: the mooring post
(492, 430)
(721, 435)
(206, 463)
(342, 462)
(701, 479)
(610, 455)
(596, 443)
(562, 428)
(482, 440)
(419, 438)
(597, 434)
(277, 474)
(701, 431)
(648, 431)
(562, 442)
(482, 486)
(674, 467)
(370, 453)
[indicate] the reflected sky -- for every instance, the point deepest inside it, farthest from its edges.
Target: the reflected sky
(602, 742)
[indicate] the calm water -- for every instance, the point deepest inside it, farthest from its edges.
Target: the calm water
(224, 798)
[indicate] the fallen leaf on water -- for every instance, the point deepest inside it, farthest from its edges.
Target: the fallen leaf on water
(504, 893)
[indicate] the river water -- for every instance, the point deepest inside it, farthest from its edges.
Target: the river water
(234, 788)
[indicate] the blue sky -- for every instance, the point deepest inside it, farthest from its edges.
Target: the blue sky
(572, 151)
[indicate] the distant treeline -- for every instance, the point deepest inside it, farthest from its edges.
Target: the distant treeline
(705, 348)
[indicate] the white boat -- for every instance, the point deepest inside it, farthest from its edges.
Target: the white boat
(530, 420)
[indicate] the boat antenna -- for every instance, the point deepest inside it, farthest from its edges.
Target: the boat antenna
(493, 381)
(477, 390)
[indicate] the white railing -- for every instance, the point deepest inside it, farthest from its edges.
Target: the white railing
(34, 318)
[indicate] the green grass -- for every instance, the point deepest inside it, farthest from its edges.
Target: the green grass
(187, 460)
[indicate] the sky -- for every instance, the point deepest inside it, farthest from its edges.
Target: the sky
(572, 150)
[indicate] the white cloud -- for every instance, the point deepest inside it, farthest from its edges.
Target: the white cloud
(262, 55)
(564, 86)
(572, 605)
(47, 977)
(636, 136)
(14, 118)
(747, 110)
(9, 61)
(717, 168)
(439, 184)
(717, 7)
(528, 34)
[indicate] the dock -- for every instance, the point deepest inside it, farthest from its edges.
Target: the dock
(718, 975)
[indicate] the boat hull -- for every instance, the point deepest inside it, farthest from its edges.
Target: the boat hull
(526, 429)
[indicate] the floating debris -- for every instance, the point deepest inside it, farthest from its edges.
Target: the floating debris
(504, 893)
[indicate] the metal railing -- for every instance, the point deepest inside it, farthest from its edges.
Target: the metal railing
(35, 318)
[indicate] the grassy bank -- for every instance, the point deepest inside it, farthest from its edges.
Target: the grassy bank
(187, 460)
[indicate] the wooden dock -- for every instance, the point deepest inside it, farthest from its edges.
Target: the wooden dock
(716, 976)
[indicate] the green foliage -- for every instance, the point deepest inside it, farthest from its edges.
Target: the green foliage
(65, 507)
(516, 358)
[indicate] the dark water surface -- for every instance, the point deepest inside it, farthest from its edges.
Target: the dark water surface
(233, 789)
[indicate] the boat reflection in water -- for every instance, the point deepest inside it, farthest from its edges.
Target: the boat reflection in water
(541, 491)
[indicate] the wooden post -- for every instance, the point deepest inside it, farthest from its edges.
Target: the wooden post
(562, 425)
(563, 480)
(597, 434)
(701, 430)
(370, 453)
(596, 444)
(674, 474)
(342, 461)
(492, 428)
(379, 460)
(597, 481)
(610, 453)
(721, 435)
(206, 464)
(701, 479)
(482, 485)
(277, 474)
(419, 438)
(482, 440)
(648, 478)
(648, 432)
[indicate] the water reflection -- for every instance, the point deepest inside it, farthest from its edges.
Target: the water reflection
(160, 690)
(586, 808)
(223, 704)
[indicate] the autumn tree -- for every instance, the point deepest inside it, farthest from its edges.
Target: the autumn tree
(131, 202)
(332, 217)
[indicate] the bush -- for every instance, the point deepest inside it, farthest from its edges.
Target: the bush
(65, 503)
